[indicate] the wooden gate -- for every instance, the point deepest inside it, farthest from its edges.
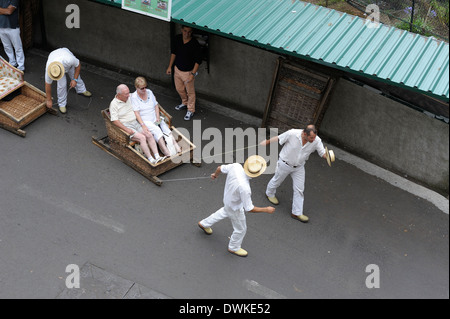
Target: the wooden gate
(298, 97)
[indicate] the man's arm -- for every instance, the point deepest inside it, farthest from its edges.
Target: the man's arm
(7, 11)
(267, 142)
(123, 127)
(216, 173)
(48, 94)
(195, 69)
(193, 72)
(268, 210)
(76, 75)
(320, 149)
(172, 60)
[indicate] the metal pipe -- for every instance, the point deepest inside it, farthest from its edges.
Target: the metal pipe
(412, 15)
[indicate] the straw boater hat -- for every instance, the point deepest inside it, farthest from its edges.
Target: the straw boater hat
(330, 156)
(254, 166)
(55, 71)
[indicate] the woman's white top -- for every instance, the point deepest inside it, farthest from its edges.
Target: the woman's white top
(146, 108)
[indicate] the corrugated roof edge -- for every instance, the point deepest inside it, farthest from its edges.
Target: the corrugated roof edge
(432, 88)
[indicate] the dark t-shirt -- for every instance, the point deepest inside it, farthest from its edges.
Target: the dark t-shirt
(9, 21)
(186, 54)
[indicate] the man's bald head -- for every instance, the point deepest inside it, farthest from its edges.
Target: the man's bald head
(123, 92)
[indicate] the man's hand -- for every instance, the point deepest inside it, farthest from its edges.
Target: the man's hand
(49, 104)
(73, 84)
(191, 77)
(216, 173)
(7, 11)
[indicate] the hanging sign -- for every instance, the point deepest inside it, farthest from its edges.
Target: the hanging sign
(116, 3)
(160, 9)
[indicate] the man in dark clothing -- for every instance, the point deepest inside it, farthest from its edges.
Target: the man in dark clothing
(186, 57)
(10, 33)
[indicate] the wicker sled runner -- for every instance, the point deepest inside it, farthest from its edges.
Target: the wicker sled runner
(117, 143)
(20, 102)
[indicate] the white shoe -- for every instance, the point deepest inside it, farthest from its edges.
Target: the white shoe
(152, 160)
(180, 107)
(241, 252)
(86, 94)
(188, 116)
(161, 159)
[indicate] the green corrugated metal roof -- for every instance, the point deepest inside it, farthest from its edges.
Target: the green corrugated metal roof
(327, 36)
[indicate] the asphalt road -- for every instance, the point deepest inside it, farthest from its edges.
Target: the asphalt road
(65, 201)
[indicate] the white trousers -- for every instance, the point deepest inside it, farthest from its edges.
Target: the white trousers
(298, 182)
(62, 88)
(12, 44)
(156, 130)
(238, 221)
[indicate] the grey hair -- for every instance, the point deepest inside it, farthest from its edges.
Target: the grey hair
(120, 88)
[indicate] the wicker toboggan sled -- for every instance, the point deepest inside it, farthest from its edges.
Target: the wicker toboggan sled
(117, 143)
(20, 102)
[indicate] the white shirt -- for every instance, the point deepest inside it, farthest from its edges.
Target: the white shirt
(146, 108)
(121, 111)
(64, 56)
(237, 192)
(293, 152)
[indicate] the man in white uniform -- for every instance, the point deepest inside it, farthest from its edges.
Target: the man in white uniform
(10, 33)
(237, 199)
(60, 62)
(298, 145)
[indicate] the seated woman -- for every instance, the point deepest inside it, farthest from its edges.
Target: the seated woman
(146, 109)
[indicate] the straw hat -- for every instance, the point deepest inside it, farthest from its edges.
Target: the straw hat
(330, 156)
(55, 71)
(254, 166)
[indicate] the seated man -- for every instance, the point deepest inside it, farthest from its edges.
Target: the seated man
(122, 115)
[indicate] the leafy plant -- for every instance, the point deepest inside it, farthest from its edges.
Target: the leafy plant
(419, 26)
(441, 9)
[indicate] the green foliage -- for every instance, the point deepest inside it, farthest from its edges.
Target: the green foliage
(427, 22)
(419, 26)
(326, 3)
(441, 8)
